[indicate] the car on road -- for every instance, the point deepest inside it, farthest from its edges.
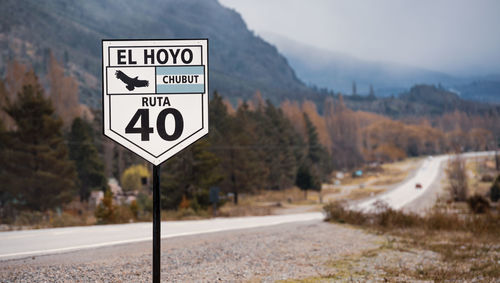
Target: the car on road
(418, 186)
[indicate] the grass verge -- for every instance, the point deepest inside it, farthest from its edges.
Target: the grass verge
(467, 245)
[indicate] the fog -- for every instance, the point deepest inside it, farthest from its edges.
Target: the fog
(455, 36)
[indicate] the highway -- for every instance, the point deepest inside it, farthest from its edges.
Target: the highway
(27, 243)
(406, 192)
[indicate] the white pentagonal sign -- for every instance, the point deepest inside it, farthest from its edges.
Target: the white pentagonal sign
(155, 94)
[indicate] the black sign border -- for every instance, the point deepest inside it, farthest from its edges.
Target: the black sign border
(109, 104)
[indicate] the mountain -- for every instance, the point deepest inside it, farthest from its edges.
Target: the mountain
(338, 71)
(240, 62)
(484, 89)
(421, 101)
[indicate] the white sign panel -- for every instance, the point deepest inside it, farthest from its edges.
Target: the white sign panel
(155, 94)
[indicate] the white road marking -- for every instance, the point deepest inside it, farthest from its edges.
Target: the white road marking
(169, 230)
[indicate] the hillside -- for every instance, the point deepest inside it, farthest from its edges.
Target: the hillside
(420, 100)
(240, 62)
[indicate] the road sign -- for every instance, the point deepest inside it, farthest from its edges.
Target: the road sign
(214, 194)
(155, 95)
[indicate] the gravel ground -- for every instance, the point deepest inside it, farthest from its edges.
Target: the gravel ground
(286, 251)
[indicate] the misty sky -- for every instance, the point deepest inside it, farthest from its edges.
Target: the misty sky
(460, 37)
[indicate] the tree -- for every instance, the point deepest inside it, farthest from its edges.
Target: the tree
(63, 92)
(317, 155)
(457, 178)
(495, 190)
(36, 169)
(278, 147)
(190, 173)
(234, 140)
(5, 196)
(132, 178)
(306, 180)
(88, 163)
(371, 94)
(343, 128)
(16, 76)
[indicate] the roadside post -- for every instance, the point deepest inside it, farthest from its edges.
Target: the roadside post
(214, 198)
(155, 103)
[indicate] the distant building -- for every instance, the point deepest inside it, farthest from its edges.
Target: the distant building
(95, 198)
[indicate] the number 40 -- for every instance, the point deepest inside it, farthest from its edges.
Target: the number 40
(145, 130)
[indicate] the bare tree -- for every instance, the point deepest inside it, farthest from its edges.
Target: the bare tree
(457, 178)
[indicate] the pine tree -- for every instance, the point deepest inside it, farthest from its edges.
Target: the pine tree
(88, 163)
(306, 180)
(5, 196)
(495, 190)
(244, 161)
(234, 140)
(190, 174)
(314, 148)
(36, 170)
(371, 94)
(279, 147)
(317, 156)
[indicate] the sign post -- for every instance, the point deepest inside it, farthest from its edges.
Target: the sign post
(156, 224)
(155, 103)
(214, 198)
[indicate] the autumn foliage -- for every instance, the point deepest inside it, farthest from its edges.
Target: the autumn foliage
(353, 137)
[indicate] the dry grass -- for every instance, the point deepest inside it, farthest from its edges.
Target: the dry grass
(292, 195)
(468, 245)
(386, 174)
(267, 202)
(396, 172)
(356, 194)
(231, 210)
(39, 220)
(386, 218)
(331, 190)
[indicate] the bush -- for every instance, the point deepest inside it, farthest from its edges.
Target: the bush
(385, 218)
(133, 177)
(487, 178)
(105, 212)
(478, 204)
(336, 212)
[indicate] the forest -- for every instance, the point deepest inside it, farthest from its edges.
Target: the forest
(54, 159)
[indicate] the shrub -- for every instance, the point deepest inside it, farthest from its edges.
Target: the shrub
(337, 212)
(132, 178)
(385, 218)
(487, 178)
(134, 208)
(478, 204)
(105, 212)
(123, 214)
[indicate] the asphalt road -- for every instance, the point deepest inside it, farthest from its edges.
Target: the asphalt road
(21, 244)
(406, 193)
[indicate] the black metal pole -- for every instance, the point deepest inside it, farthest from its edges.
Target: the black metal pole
(156, 224)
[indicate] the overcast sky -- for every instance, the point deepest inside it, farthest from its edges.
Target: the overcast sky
(461, 37)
